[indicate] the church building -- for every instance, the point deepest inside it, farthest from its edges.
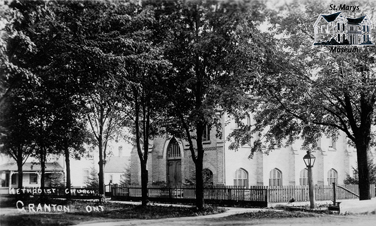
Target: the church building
(170, 162)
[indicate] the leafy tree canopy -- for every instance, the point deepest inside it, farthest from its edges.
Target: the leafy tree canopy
(304, 91)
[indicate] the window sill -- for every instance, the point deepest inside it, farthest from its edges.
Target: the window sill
(206, 142)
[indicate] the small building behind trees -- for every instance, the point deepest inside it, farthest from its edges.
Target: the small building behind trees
(81, 169)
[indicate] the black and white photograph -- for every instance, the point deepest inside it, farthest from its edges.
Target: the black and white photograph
(187, 112)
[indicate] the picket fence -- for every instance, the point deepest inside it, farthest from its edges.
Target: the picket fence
(212, 193)
(322, 193)
(253, 193)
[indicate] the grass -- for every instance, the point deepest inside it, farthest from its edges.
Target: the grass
(270, 214)
(40, 219)
(79, 214)
(121, 211)
(319, 209)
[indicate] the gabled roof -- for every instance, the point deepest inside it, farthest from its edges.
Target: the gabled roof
(327, 18)
(116, 164)
(331, 17)
(50, 167)
(355, 21)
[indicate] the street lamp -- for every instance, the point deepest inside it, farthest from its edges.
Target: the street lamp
(309, 161)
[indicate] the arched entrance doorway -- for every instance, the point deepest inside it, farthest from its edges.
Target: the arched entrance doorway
(173, 163)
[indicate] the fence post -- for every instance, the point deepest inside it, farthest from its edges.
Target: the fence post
(334, 193)
(113, 190)
(266, 196)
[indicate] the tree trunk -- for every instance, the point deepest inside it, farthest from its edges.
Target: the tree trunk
(101, 172)
(19, 169)
(199, 168)
(362, 143)
(199, 185)
(68, 176)
(363, 170)
(362, 140)
(144, 184)
(20, 175)
(142, 156)
(43, 169)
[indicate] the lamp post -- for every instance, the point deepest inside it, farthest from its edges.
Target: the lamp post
(309, 161)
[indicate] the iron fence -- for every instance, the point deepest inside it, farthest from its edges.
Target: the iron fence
(241, 194)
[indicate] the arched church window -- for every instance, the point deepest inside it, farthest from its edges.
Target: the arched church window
(275, 178)
(207, 176)
(241, 178)
(332, 176)
(174, 175)
(303, 177)
(173, 150)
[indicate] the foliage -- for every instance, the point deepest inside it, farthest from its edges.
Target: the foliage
(212, 48)
(355, 180)
(92, 181)
(305, 92)
(86, 41)
(27, 57)
(207, 178)
(37, 48)
(17, 141)
(13, 71)
(56, 180)
(138, 63)
(125, 178)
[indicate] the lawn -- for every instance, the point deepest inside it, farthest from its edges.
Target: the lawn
(79, 212)
(271, 214)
